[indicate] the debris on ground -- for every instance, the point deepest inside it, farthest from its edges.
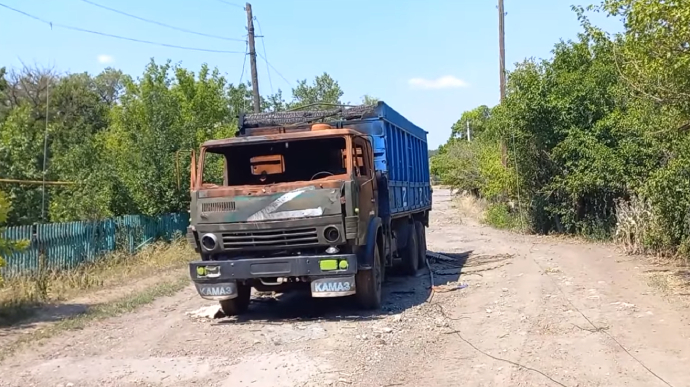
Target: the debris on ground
(209, 312)
(440, 257)
(449, 287)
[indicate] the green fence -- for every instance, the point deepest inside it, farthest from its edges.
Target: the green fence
(66, 245)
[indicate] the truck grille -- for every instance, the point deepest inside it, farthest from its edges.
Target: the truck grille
(269, 238)
(218, 207)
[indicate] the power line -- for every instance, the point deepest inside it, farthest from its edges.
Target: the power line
(67, 27)
(230, 4)
(244, 63)
(161, 24)
(274, 69)
(263, 46)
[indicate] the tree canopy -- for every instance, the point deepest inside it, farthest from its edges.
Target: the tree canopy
(117, 138)
(599, 125)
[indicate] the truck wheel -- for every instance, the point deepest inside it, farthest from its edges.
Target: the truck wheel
(410, 255)
(421, 240)
(368, 284)
(239, 304)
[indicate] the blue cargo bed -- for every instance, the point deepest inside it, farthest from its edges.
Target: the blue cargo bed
(401, 154)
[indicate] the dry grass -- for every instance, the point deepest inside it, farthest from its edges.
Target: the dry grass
(674, 282)
(470, 207)
(634, 222)
(124, 304)
(20, 297)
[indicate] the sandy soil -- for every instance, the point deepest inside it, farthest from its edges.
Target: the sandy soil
(510, 310)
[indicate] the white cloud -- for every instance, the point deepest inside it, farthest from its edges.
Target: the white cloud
(105, 59)
(444, 82)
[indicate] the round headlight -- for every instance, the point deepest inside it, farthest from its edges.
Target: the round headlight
(331, 234)
(209, 241)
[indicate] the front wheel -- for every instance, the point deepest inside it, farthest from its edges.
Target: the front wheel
(239, 304)
(368, 284)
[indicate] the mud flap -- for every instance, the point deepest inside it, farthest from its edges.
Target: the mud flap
(217, 291)
(333, 287)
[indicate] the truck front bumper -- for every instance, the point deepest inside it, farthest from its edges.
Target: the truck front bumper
(331, 275)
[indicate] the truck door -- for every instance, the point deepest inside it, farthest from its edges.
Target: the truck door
(366, 183)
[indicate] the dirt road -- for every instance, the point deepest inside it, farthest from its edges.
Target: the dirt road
(570, 314)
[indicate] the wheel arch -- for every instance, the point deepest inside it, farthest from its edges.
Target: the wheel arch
(374, 239)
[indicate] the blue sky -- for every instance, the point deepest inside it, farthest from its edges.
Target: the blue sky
(429, 60)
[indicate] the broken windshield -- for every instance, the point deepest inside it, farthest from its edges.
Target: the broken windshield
(275, 162)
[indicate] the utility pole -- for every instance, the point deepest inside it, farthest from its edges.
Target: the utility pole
(502, 48)
(252, 59)
(502, 70)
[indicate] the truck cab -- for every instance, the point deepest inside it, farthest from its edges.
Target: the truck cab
(296, 201)
(277, 211)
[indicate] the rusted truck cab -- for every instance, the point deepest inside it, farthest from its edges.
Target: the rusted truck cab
(291, 211)
(296, 201)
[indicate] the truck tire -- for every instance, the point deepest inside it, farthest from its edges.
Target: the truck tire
(368, 284)
(421, 241)
(410, 255)
(239, 304)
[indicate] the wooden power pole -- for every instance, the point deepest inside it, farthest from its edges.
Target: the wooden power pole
(502, 70)
(502, 48)
(252, 59)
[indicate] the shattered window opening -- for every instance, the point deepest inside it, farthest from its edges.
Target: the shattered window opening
(302, 160)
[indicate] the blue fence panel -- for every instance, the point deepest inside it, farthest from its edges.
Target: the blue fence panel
(67, 245)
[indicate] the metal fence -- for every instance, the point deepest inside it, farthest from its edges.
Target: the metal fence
(59, 246)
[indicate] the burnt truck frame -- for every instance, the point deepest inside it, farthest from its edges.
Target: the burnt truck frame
(319, 200)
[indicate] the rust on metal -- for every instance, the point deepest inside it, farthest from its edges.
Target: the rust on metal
(192, 171)
(214, 191)
(267, 135)
(316, 127)
(191, 167)
(269, 165)
(280, 137)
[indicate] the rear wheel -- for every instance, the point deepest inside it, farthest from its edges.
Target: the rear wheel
(421, 241)
(368, 284)
(410, 254)
(239, 304)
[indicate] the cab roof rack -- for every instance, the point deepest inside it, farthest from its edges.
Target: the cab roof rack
(296, 118)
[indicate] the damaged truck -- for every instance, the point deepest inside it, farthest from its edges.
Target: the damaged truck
(319, 200)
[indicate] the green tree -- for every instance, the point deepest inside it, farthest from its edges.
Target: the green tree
(118, 138)
(652, 52)
(323, 90)
(477, 118)
(22, 129)
(7, 246)
(169, 109)
(369, 100)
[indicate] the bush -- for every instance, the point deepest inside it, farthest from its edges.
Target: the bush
(500, 215)
(597, 138)
(7, 247)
